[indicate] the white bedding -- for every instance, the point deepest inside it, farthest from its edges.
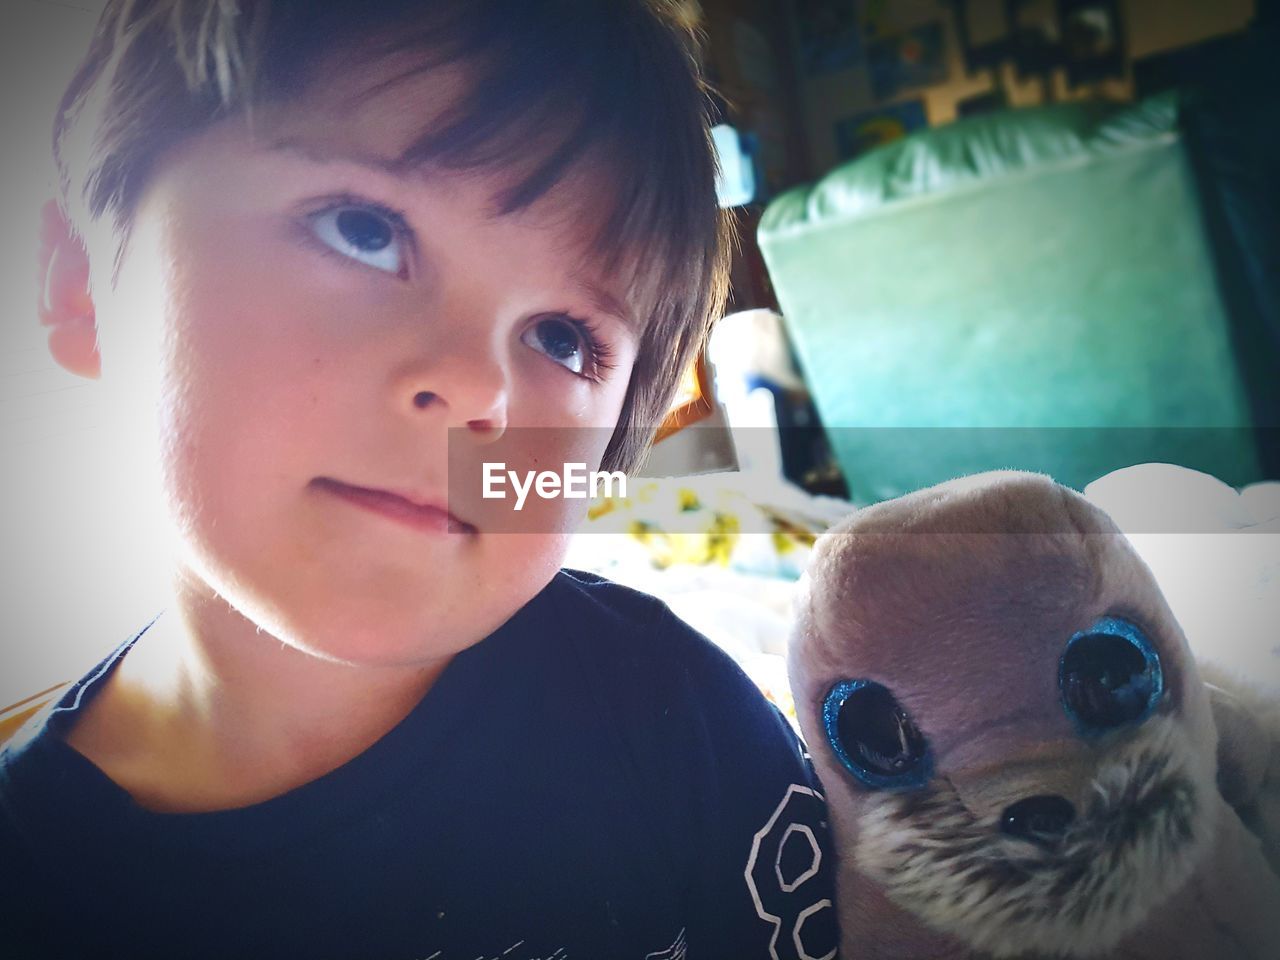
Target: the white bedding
(1215, 552)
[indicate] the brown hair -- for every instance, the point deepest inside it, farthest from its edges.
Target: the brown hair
(615, 81)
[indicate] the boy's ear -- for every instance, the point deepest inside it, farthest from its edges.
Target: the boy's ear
(65, 306)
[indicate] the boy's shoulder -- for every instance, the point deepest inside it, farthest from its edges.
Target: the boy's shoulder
(730, 776)
(14, 716)
(675, 699)
(619, 631)
(597, 596)
(640, 623)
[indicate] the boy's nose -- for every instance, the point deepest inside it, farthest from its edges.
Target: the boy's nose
(466, 394)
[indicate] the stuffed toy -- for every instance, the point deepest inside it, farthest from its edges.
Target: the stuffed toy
(1021, 757)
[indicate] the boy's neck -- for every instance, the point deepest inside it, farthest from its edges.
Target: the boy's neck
(206, 712)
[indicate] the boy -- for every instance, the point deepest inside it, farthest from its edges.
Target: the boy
(329, 246)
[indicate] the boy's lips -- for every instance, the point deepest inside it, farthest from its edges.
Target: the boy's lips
(426, 513)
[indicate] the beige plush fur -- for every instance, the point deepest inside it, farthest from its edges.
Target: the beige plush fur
(961, 599)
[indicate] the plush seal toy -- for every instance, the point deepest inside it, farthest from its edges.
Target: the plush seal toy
(1019, 753)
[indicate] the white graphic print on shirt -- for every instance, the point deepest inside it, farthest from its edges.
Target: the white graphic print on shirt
(782, 900)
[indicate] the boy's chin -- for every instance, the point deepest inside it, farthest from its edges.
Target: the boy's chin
(395, 646)
(366, 607)
(403, 631)
(366, 637)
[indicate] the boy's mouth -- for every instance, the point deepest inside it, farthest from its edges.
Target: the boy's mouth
(428, 514)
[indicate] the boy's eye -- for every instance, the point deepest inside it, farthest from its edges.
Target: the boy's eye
(362, 233)
(563, 340)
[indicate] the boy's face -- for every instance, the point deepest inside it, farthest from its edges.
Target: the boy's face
(311, 321)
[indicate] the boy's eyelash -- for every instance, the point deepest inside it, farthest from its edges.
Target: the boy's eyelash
(602, 356)
(336, 201)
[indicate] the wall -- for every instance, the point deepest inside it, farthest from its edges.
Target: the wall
(1152, 26)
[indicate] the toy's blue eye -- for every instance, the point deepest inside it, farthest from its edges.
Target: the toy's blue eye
(1110, 677)
(874, 737)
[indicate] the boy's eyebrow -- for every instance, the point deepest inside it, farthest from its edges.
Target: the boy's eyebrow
(402, 167)
(395, 166)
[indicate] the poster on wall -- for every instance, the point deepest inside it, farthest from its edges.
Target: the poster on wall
(829, 36)
(1092, 42)
(911, 58)
(865, 131)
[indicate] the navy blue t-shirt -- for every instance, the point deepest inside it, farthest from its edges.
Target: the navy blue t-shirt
(594, 780)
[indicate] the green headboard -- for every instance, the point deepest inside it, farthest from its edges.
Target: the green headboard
(1029, 289)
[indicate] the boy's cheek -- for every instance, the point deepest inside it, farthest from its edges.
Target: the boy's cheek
(131, 315)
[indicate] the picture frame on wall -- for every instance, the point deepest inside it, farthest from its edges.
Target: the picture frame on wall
(916, 57)
(1093, 41)
(1084, 37)
(862, 132)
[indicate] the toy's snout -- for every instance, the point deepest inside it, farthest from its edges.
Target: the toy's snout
(1110, 680)
(1027, 764)
(1035, 792)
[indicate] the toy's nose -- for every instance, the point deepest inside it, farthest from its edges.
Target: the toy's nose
(1041, 820)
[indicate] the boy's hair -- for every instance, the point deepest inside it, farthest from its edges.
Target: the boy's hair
(554, 86)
